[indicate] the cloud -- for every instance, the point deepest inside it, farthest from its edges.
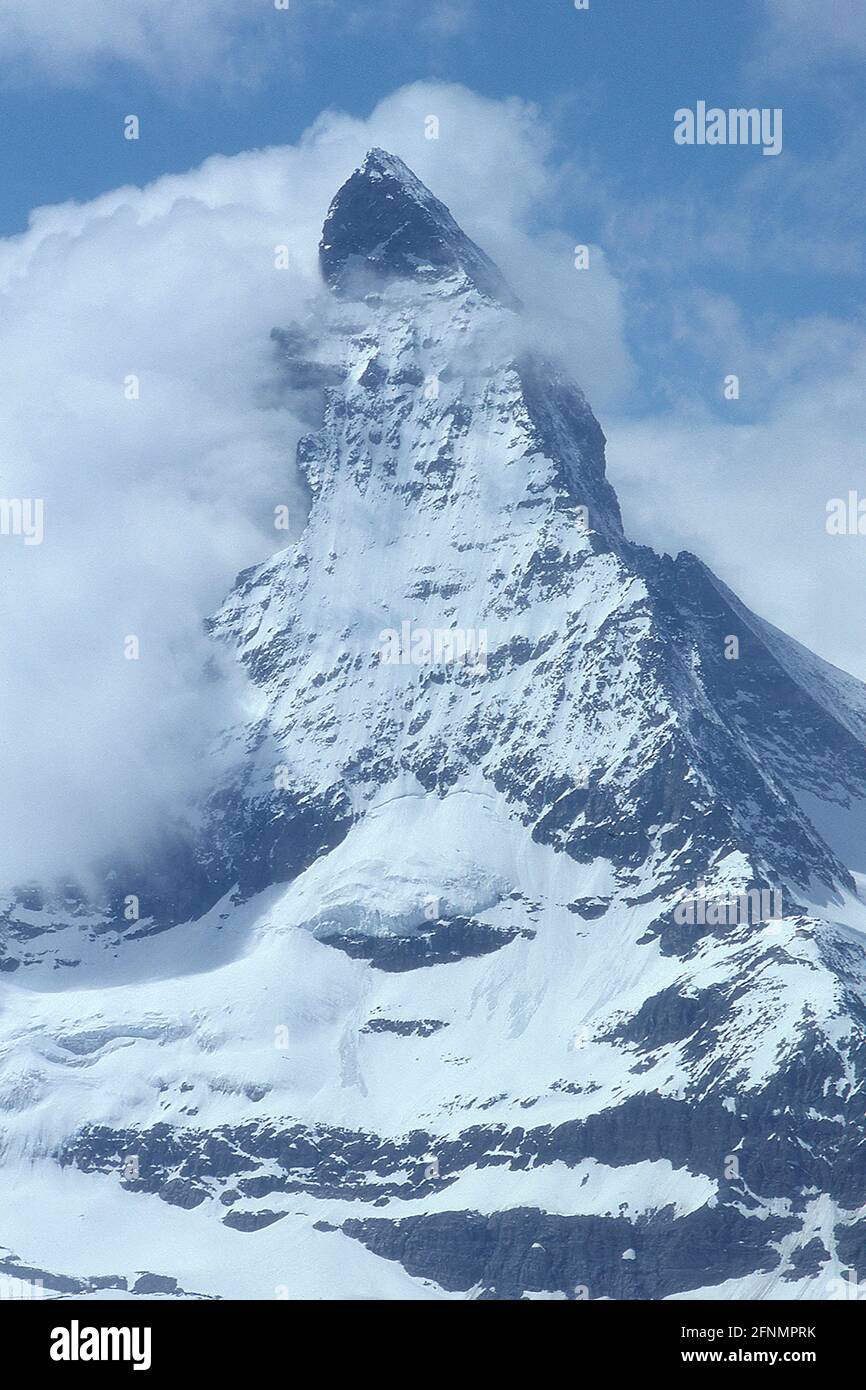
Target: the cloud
(169, 39)
(805, 34)
(748, 490)
(446, 19)
(184, 42)
(796, 215)
(151, 506)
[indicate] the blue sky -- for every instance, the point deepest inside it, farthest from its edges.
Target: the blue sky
(556, 129)
(607, 79)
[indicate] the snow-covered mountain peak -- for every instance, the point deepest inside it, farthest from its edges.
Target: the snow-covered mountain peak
(385, 224)
(522, 948)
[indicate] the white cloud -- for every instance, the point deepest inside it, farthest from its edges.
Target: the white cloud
(152, 506)
(749, 494)
(168, 38)
(446, 19)
(181, 42)
(805, 34)
(797, 215)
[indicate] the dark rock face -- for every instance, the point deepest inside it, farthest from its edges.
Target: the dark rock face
(385, 224)
(807, 1260)
(183, 1194)
(458, 938)
(673, 1016)
(154, 1283)
(565, 427)
(416, 1027)
(520, 1251)
(252, 1220)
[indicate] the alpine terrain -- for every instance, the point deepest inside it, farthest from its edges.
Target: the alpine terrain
(520, 948)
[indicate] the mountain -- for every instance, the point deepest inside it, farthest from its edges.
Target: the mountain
(520, 950)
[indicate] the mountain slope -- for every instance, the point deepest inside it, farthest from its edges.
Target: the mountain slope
(417, 1013)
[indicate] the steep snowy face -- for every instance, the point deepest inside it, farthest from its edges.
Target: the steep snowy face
(421, 1014)
(464, 608)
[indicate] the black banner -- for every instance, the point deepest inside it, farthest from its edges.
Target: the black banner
(68, 1338)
